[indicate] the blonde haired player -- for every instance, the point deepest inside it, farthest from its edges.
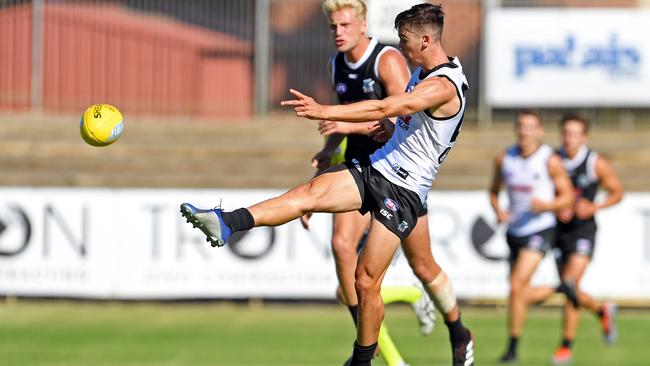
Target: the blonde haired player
(392, 183)
(362, 69)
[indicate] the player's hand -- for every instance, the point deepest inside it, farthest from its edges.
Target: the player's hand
(381, 131)
(565, 215)
(305, 106)
(538, 206)
(503, 217)
(585, 209)
(304, 220)
(327, 128)
(322, 160)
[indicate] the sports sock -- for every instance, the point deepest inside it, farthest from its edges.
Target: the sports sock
(457, 331)
(354, 312)
(409, 294)
(362, 355)
(512, 346)
(238, 220)
(388, 349)
(567, 343)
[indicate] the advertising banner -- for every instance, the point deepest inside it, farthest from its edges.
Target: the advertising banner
(567, 57)
(134, 244)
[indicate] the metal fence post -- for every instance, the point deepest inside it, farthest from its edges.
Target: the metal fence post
(484, 109)
(36, 87)
(261, 58)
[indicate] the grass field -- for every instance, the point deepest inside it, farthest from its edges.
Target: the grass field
(72, 334)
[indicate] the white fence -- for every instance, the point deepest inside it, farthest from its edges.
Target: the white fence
(133, 244)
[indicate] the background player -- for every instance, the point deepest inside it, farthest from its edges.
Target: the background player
(537, 186)
(576, 229)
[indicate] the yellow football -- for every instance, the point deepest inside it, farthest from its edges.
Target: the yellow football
(101, 125)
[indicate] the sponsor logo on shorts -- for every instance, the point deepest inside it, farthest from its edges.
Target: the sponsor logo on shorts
(341, 88)
(536, 242)
(402, 226)
(583, 246)
(400, 171)
(386, 214)
(368, 85)
(357, 165)
(391, 205)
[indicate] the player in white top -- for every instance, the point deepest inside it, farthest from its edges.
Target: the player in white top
(537, 186)
(363, 69)
(391, 187)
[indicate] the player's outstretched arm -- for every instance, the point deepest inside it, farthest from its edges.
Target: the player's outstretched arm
(430, 94)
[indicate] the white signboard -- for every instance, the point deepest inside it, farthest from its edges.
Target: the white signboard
(562, 57)
(381, 18)
(133, 244)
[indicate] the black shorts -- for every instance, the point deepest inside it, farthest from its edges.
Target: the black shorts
(579, 240)
(397, 208)
(540, 242)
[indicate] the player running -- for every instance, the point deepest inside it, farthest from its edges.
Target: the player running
(576, 229)
(537, 186)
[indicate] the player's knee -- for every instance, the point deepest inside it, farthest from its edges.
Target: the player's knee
(366, 285)
(516, 288)
(425, 271)
(343, 248)
(304, 197)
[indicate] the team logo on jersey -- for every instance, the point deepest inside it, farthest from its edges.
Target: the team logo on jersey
(341, 88)
(391, 205)
(403, 226)
(403, 122)
(582, 181)
(368, 85)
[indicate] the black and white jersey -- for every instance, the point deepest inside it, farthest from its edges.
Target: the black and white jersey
(354, 82)
(527, 179)
(582, 170)
(413, 155)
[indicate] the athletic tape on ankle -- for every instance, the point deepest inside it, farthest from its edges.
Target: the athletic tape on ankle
(442, 293)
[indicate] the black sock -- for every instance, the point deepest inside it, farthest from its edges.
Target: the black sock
(238, 220)
(457, 331)
(362, 355)
(354, 311)
(512, 347)
(566, 343)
